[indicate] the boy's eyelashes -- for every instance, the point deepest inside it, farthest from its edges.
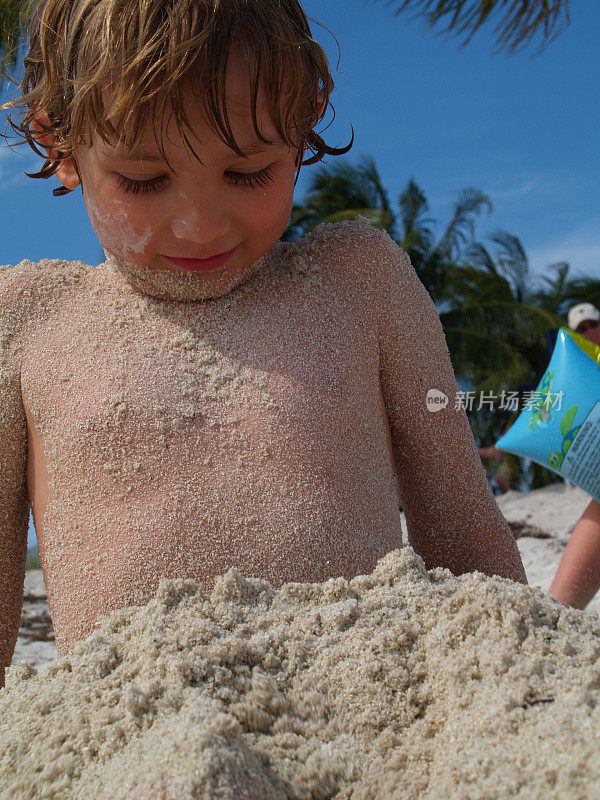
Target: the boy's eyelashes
(131, 186)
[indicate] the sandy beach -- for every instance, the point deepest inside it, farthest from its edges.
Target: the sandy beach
(404, 684)
(555, 511)
(546, 518)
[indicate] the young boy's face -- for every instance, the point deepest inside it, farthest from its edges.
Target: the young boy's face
(226, 203)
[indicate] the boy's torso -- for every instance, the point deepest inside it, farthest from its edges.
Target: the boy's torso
(181, 439)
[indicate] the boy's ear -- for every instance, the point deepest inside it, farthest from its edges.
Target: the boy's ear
(65, 172)
(320, 104)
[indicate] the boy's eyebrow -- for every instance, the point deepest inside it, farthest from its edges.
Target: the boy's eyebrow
(251, 148)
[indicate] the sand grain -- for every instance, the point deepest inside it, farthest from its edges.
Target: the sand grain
(401, 684)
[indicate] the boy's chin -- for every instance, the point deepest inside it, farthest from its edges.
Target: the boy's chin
(165, 283)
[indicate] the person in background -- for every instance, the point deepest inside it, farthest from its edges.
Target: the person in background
(578, 575)
(498, 483)
(584, 319)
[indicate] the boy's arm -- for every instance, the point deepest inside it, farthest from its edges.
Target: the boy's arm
(578, 575)
(14, 502)
(452, 518)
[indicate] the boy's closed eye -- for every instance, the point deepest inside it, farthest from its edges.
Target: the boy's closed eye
(262, 178)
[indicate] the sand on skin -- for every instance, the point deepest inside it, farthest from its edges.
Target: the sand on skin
(198, 436)
(554, 509)
(400, 684)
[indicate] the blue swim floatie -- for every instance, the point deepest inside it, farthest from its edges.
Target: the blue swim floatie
(560, 426)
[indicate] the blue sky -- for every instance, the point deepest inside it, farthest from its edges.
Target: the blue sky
(523, 129)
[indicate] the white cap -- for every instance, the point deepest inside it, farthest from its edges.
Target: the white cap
(580, 313)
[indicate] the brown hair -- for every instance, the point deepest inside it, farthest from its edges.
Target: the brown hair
(142, 50)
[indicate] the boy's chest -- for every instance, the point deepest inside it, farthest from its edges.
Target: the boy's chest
(214, 379)
(179, 443)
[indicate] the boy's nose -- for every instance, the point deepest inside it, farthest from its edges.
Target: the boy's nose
(200, 225)
(196, 229)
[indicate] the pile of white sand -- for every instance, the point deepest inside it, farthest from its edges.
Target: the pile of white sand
(403, 684)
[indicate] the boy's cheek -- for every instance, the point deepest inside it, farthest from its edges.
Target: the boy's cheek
(115, 229)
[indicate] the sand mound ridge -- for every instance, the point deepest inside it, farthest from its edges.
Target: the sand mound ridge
(405, 683)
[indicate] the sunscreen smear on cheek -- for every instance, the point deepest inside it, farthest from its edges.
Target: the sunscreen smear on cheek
(114, 229)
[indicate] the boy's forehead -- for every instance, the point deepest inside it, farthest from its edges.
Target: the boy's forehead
(148, 150)
(173, 143)
(239, 112)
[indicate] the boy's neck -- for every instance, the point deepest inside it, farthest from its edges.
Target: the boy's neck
(166, 284)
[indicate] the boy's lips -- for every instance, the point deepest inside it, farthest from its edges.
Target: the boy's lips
(214, 262)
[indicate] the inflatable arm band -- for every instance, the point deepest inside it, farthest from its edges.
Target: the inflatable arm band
(559, 427)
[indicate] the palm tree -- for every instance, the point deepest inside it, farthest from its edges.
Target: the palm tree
(14, 16)
(496, 332)
(342, 192)
(345, 190)
(433, 258)
(518, 23)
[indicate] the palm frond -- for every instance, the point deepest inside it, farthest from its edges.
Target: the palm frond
(478, 254)
(519, 22)
(583, 289)
(417, 228)
(14, 19)
(509, 264)
(553, 288)
(461, 229)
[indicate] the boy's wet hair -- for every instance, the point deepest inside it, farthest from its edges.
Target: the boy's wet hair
(142, 50)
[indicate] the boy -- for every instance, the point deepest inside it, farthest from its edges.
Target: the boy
(209, 396)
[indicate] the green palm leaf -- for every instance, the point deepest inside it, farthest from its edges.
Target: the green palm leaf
(518, 22)
(14, 17)
(461, 228)
(340, 192)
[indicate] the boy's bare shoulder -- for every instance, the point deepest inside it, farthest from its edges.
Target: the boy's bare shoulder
(360, 254)
(30, 290)
(367, 265)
